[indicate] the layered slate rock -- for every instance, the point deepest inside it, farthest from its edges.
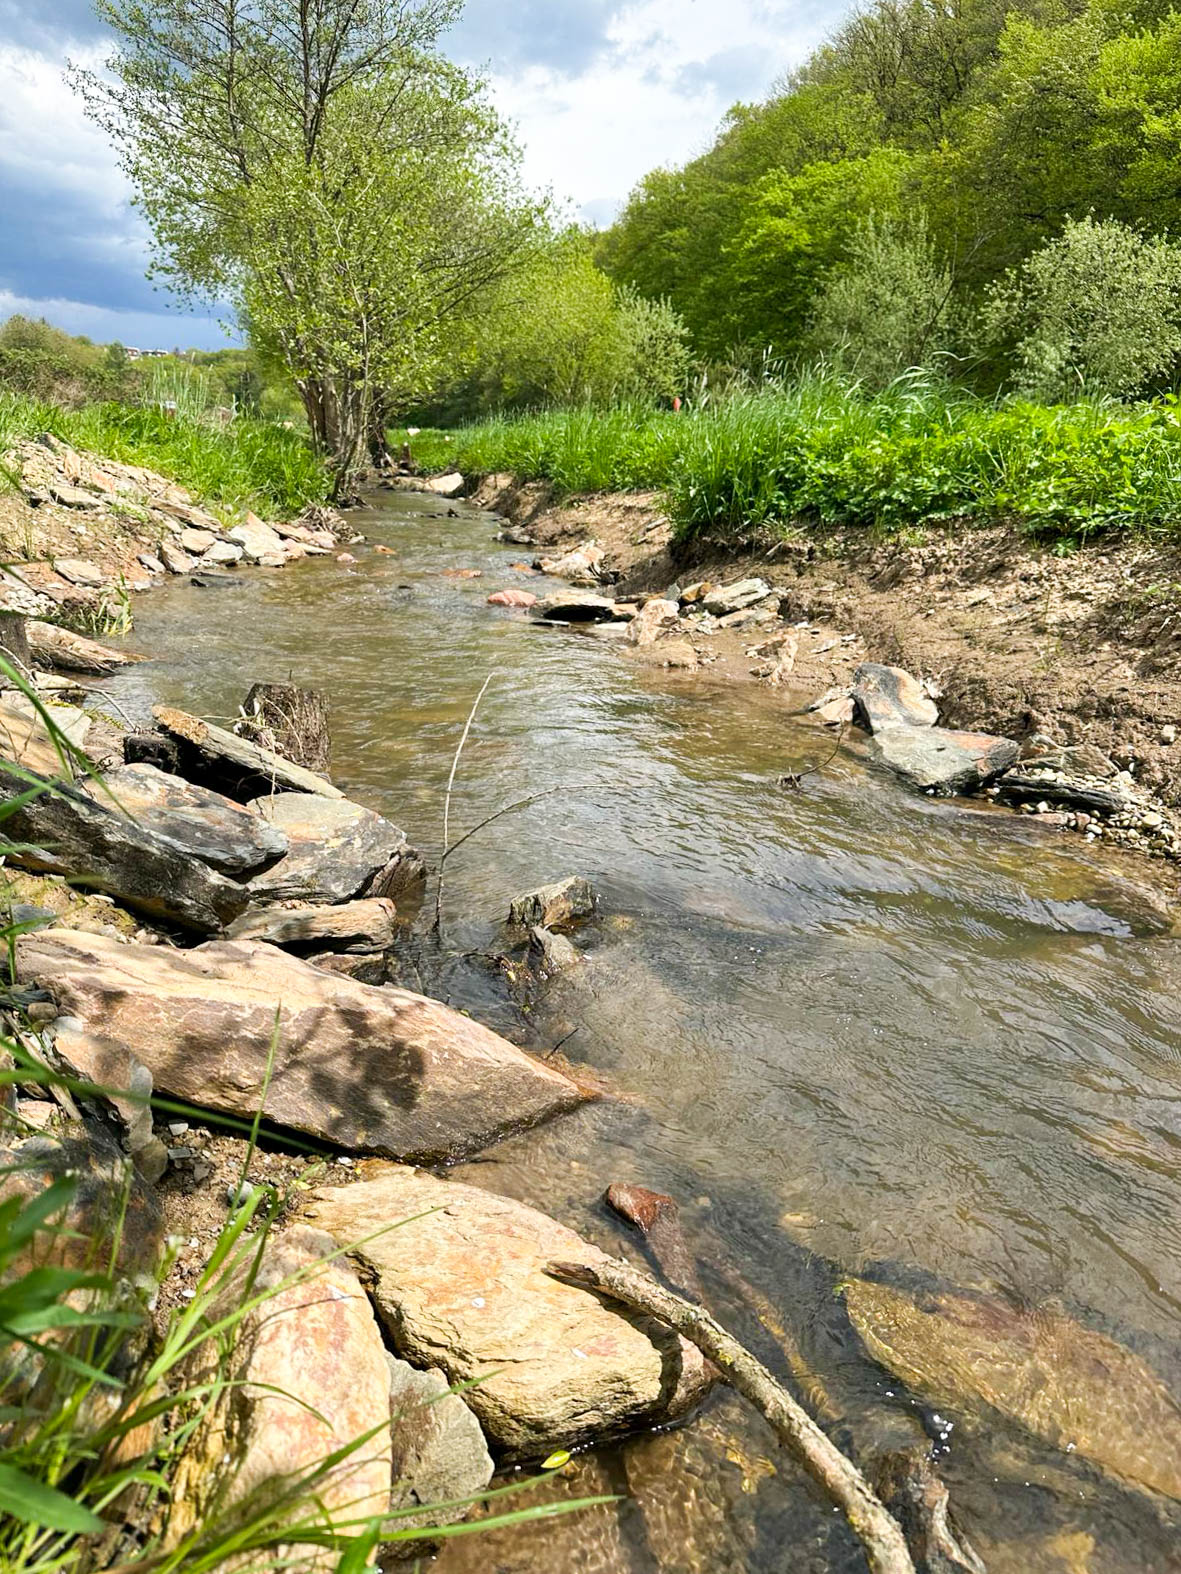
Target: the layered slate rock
(379, 1070)
(306, 1377)
(335, 849)
(366, 925)
(890, 697)
(25, 740)
(63, 831)
(195, 821)
(727, 599)
(61, 648)
(460, 1283)
(939, 761)
(215, 758)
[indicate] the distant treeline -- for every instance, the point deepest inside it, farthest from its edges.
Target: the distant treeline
(48, 364)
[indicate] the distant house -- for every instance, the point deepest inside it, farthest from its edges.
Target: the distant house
(131, 352)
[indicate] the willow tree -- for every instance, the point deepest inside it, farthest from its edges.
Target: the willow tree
(319, 165)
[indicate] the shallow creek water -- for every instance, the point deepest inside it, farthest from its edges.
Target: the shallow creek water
(851, 1030)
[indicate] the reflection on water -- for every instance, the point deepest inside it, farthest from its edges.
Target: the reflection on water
(848, 1026)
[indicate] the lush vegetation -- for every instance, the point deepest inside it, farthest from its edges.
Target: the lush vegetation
(817, 450)
(983, 188)
(247, 463)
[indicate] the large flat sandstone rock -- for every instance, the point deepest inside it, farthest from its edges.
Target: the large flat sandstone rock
(380, 1070)
(307, 1376)
(460, 1284)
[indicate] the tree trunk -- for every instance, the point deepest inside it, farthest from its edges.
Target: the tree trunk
(291, 721)
(14, 647)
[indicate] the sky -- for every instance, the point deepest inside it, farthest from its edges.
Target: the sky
(600, 92)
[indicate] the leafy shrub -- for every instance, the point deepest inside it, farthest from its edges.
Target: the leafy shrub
(889, 308)
(1095, 312)
(823, 450)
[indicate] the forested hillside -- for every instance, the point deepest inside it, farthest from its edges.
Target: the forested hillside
(982, 186)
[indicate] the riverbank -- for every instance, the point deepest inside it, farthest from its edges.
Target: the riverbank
(1056, 650)
(724, 902)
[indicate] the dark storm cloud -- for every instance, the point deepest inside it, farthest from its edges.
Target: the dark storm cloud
(57, 243)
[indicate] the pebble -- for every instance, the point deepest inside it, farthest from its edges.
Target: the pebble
(1168, 734)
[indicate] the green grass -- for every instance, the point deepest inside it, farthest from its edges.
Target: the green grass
(249, 464)
(824, 453)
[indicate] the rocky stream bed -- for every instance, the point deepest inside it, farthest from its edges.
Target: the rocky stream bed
(906, 1062)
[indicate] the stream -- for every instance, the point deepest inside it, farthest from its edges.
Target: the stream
(850, 1030)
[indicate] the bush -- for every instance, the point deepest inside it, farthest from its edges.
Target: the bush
(889, 309)
(45, 363)
(1095, 312)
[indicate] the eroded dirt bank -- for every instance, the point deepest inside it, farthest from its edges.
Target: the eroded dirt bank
(1015, 638)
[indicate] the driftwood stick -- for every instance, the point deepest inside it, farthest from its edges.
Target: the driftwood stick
(438, 924)
(885, 1546)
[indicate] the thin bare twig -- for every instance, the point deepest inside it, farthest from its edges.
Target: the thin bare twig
(438, 924)
(793, 781)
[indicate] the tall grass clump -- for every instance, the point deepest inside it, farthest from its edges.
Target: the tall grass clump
(247, 463)
(824, 451)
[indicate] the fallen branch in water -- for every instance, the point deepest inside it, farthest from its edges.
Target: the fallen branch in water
(879, 1533)
(793, 781)
(447, 800)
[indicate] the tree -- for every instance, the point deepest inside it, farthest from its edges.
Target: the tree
(1095, 311)
(317, 164)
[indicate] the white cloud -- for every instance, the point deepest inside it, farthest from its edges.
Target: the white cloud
(656, 96)
(146, 330)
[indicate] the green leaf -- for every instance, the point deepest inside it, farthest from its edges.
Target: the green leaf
(34, 1503)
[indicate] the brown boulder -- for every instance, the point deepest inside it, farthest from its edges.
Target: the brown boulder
(890, 697)
(216, 758)
(307, 1376)
(512, 598)
(334, 848)
(460, 1283)
(654, 618)
(366, 925)
(380, 1070)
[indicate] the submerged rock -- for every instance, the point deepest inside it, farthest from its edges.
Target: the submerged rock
(192, 819)
(306, 1377)
(939, 761)
(890, 697)
(334, 848)
(1076, 1389)
(460, 1283)
(512, 598)
(549, 905)
(380, 1070)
